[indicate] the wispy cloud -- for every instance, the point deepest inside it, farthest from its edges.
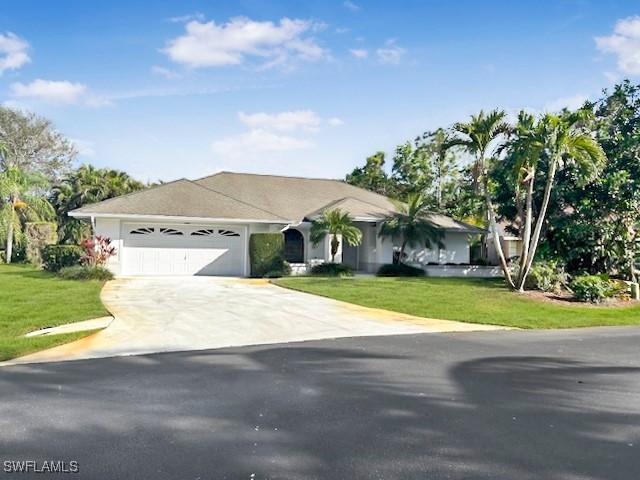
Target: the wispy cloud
(13, 52)
(60, 92)
(186, 18)
(359, 52)
(216, 45)
(273, 132)
(572, 103)
(354, 7)
(624, 43)
(391, 53)
(165, 72)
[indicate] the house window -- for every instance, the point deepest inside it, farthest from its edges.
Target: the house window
(205, 232)
(293, 246)
(228, 233)
(170, 232)
(142, 231)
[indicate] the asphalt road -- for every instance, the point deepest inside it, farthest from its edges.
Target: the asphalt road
(495, 405)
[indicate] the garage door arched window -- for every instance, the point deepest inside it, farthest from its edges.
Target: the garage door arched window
(293, 246)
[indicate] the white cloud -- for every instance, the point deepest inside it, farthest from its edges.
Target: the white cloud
(59, 92)
(165, 72)
(572, 103)
(214, 45)
(625, 44)
(13, 52)
(335, 121)
(257, 141)
(391, 53)
(186, 18)
(86, 148)
(351, 5)
(283, 122)
(359, 52)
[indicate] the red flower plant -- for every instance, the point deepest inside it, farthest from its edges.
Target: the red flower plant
(97, 251)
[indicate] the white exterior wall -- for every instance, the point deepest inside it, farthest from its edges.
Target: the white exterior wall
(455, 250)
(110, 227)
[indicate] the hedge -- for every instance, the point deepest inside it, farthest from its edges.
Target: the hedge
(330, 269)
(399, 270)
(56, 257)
(266, 253)
(85, 272)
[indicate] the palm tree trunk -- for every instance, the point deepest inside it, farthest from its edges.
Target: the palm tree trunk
(402, 247)
(493, 229)
(334, 247)
(526, 236)
(543, 211)
(9, 250)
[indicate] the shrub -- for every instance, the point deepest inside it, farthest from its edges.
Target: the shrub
(399, 270)
(592, 288)
(38, 235)
(97, 251)
(85, 272)
(282, 272)
(56, 257)
(266, 253)
(546, 276)
(332, 270)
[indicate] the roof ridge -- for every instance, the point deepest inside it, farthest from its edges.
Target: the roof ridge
(295, 177)
(147, 189)
(194, 182)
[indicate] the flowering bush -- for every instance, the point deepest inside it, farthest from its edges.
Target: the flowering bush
(97, 251)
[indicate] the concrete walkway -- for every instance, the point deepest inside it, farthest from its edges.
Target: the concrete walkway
(162, 314)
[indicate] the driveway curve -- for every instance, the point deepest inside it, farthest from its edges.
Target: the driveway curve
(163, 314)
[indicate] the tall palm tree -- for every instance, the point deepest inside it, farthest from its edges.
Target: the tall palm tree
(481, 138)
(411, 225)
(335, 222)
(562, 142)
(19, 203)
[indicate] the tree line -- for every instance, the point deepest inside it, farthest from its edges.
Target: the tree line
(39, 184)
(567, 183)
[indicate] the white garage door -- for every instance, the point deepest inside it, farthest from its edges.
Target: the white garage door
(176, 249)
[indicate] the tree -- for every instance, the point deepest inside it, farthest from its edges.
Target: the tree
(480, 138)
(335, 222)
(411, 225)
(19, 204)
(33, 145)
(412, 169)
(372, 176)
(562, 142)
(83, 186)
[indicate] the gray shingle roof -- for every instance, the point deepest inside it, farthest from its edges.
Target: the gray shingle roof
(245, 196)
(181, 198)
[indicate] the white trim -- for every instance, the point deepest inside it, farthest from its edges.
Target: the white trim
(162, 218)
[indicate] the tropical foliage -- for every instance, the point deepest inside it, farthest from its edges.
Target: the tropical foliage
(411, 225)
(20, 202)
(86, 185)
(335, 223)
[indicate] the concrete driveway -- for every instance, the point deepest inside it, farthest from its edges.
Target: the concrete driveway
(163, 314)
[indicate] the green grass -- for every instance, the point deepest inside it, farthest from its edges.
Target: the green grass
(31, 299)
(465, 299)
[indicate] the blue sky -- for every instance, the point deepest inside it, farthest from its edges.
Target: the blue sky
(186, 88)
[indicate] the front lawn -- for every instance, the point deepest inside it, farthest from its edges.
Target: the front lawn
(31, 299)
(466, 299)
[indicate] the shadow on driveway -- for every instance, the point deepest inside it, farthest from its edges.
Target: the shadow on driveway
(496, 406)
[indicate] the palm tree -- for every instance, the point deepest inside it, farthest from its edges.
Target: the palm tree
(480, 137)
(19, 203)
(335, 222)
(86, 185)
(562, 142)
(411, 225)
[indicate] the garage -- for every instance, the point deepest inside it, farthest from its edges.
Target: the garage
(183, 249)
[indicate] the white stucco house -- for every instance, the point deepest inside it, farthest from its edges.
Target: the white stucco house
(202, 227)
